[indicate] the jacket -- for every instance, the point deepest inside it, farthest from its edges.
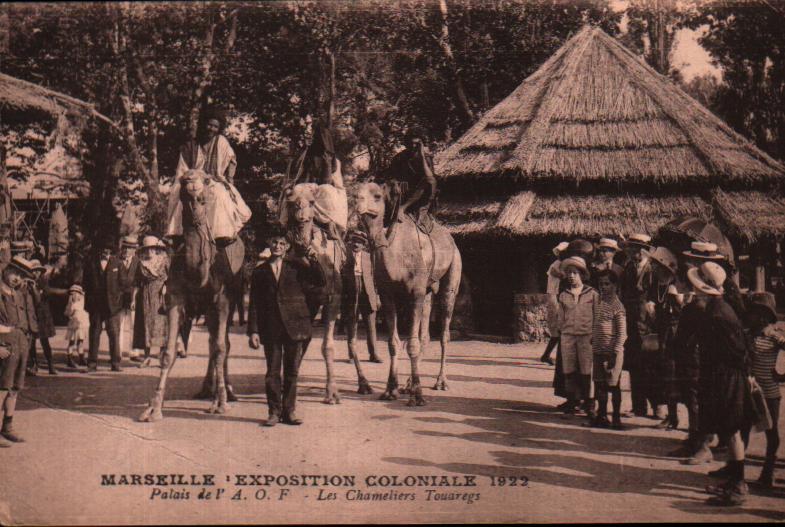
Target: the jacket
(576, 315)
(279, 309)
(109, 291)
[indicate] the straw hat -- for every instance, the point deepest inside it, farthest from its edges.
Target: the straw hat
(764, 301)
(152, 242)
(76, 288)
(132, 242)
(708, 278)
(704, 251)
(608, 243)
(22, 266)
(560, 248)
(577, 262)
(21, 246)
(36, 265)
(638, 240)
(664, 257)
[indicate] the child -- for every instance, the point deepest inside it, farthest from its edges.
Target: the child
(767, 342)
(78, 325)
(609, 333)
(577, 304)
(554, 279)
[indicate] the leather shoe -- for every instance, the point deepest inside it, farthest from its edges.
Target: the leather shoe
(91, 368)
(292, 419)
(11, 436)
(700, 457)
(272, 420)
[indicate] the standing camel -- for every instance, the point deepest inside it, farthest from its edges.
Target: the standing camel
(410, 267)
(300, 203)
(200, 274)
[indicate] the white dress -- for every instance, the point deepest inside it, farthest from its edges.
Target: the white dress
(78, 319)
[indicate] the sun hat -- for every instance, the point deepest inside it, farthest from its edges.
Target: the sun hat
(577, 262)
(20, 246)
(708, 278)
(608, 243)
(638, 240)
(704, 251)
(152, 242)
(664, 257)
(35, 265)
(560, 248)
(130, 241)
(76, 288)
(21, 265)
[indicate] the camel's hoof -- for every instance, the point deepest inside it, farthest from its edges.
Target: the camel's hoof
(203, 394)
(404, 390)
(420, 401)
(441, 384)
(217, 408)
(151, 415)
(364, 388)
(390, 395)
(331, 396)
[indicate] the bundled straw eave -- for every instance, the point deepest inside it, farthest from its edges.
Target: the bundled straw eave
(751, 215)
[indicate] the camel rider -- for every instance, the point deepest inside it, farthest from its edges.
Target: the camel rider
(413, 168)
(320, 166)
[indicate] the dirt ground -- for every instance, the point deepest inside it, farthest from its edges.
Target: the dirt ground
(496, 425)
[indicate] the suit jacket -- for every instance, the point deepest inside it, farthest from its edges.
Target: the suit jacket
(279, 309)
(367, 282)
(109, 291)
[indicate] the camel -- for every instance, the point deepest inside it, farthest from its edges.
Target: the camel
(300, 202)
(409, 268)
(200, 274)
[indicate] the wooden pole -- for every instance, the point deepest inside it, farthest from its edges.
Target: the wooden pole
(760, 278)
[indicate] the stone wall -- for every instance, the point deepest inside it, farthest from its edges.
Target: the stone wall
(530, 317)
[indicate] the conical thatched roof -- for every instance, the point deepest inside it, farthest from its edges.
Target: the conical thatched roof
(595, 113)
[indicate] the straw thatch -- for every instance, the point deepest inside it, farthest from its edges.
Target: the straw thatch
(23, 95)
(530, 215)
(594, 112)
(751, 215)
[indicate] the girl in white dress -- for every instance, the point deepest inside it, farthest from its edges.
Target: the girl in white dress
(78, 325)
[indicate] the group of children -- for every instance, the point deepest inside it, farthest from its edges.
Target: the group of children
(682, 329)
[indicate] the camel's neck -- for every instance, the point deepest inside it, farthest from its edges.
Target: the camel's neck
(302, 233)
(386, 251)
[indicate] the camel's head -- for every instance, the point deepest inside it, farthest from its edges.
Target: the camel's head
(370, 202)
(193, 184)
(300, 203)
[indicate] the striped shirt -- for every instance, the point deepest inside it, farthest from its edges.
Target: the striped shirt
(610, 327)
(764, 360)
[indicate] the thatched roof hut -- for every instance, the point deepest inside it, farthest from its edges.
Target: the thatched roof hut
(594, 143)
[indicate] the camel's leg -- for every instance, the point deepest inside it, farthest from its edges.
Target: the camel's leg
(217, 318)
(413, 349)
(363, 387)
(208, 384)
(168, 357)
(230, 395)
(425, 323)
(448, 291)
(393, 345)
(329, 315)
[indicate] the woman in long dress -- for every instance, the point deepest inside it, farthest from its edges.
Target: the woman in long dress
(150, 327)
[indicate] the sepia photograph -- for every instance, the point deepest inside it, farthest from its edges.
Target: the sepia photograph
(392, 262)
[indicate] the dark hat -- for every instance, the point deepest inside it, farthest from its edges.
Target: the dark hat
(22, 266)
(580, 247)
(764, 301)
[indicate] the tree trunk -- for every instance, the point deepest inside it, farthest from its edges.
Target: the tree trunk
(461, 100)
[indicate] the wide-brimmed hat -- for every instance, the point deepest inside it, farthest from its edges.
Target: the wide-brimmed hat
(764, 301)
(608, 243)
(132, 242)
(638, 240)
(76, 288)
(36, 265)
(152, 242)
(708, 278)
(577, 262)
(20, 246)
(580, 247)
(21, 265)
(704, 251)
(664, 257)
(560, 248)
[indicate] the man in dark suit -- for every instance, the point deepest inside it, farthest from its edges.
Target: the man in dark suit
(359, 295)
(108, 284)
(279, 318)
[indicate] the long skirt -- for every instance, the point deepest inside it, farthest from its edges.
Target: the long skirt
(150, 323)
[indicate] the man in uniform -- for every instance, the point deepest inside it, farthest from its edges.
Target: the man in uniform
(17, 325)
